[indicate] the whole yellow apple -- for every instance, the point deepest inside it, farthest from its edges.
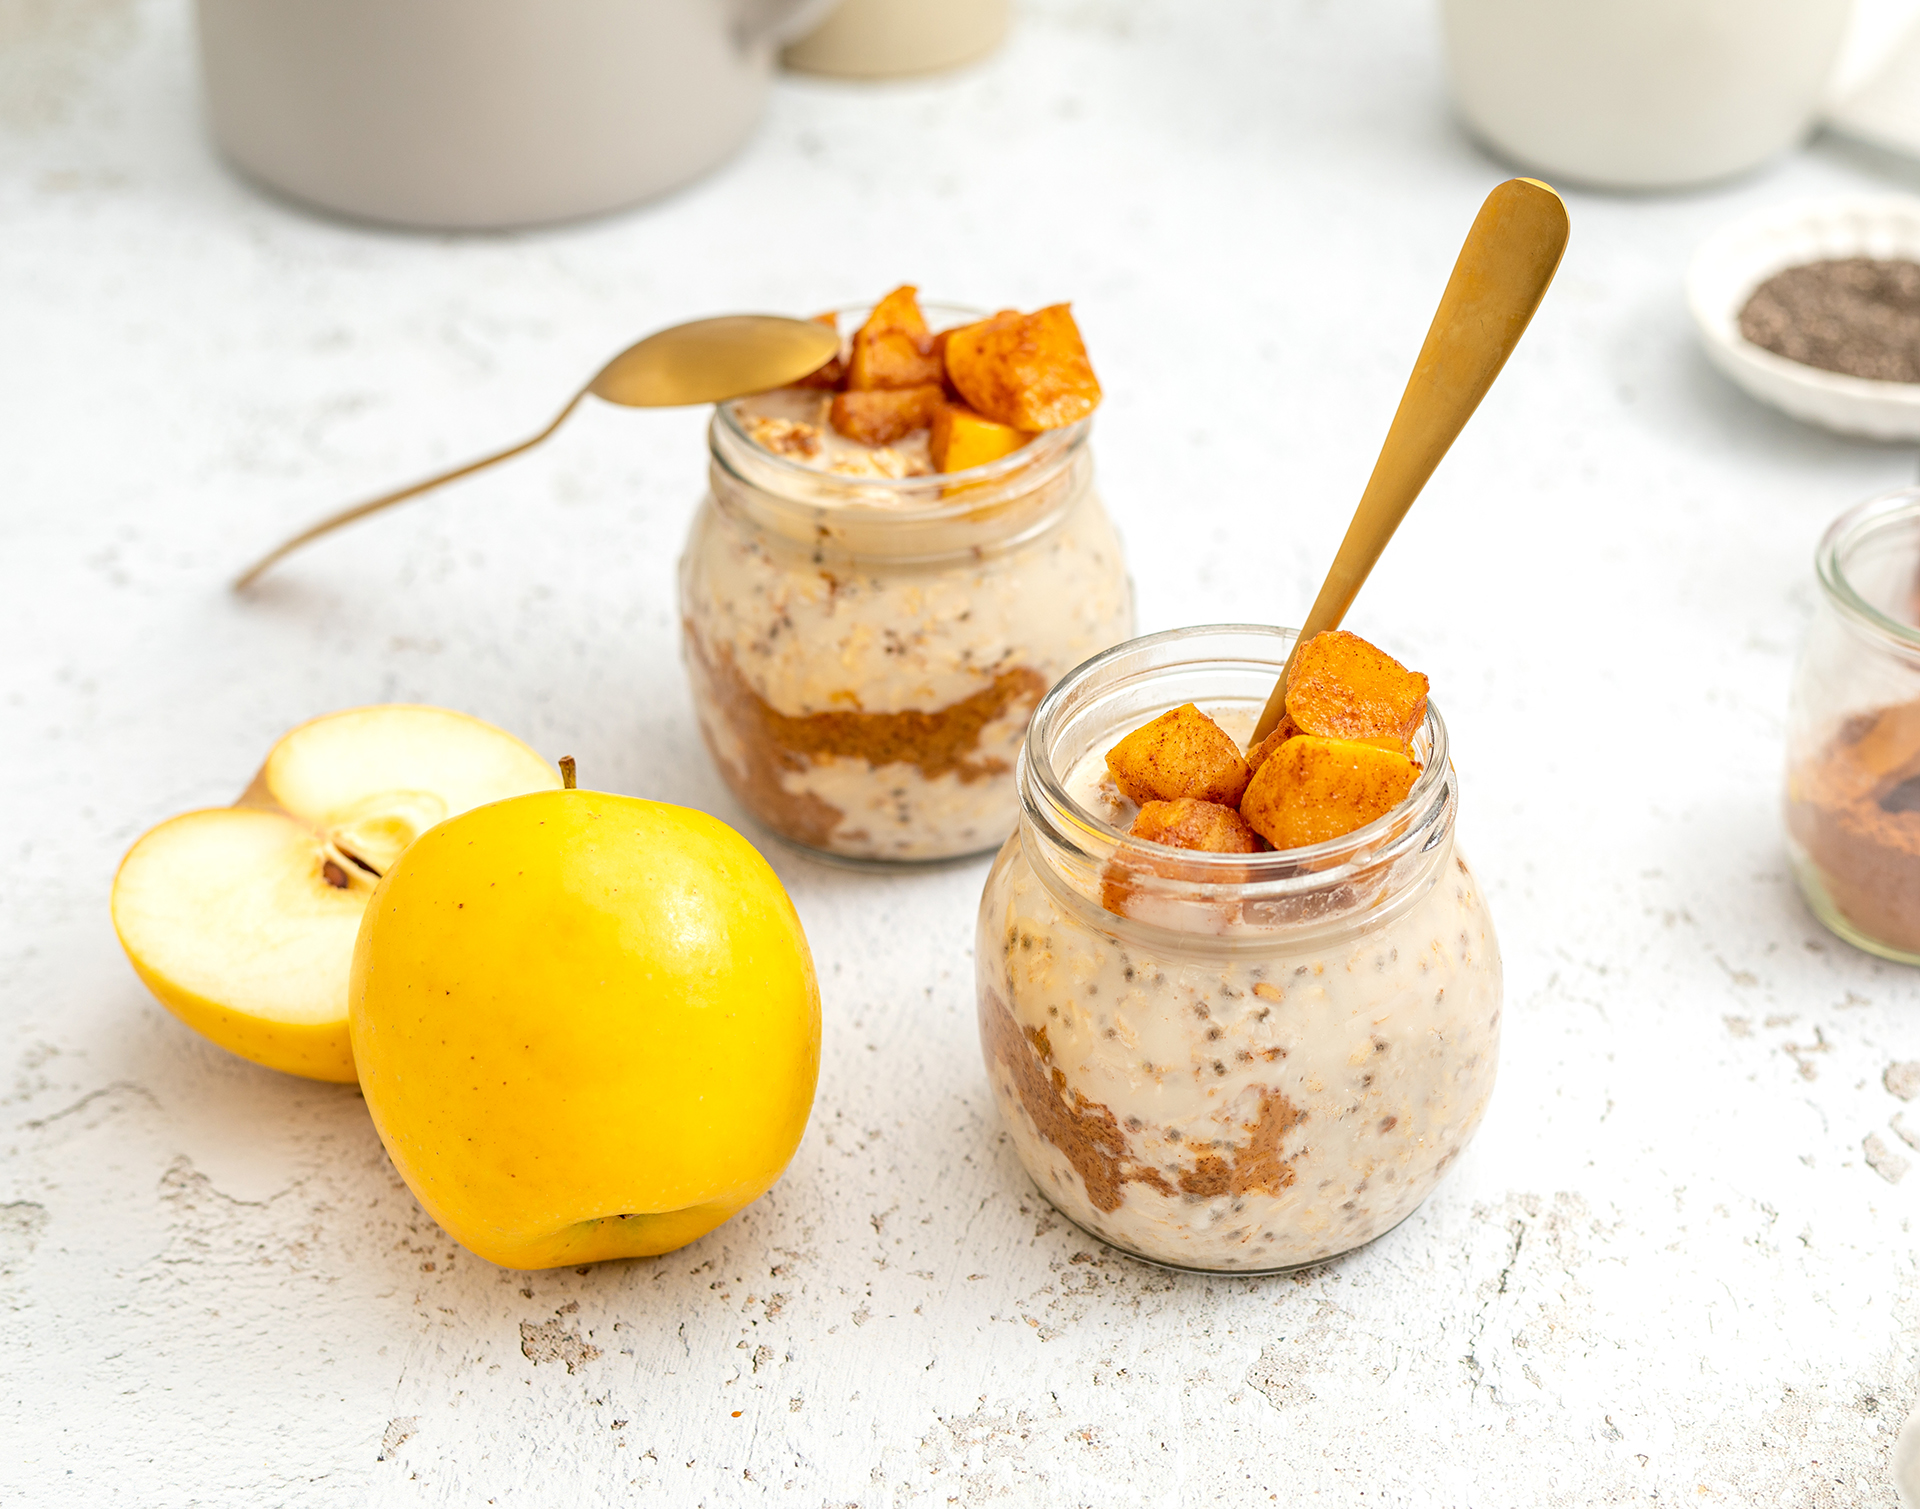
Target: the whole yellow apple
(587, 1026)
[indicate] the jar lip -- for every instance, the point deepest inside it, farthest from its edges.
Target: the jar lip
(1312, 866)
(923, 499)
(1846, 534)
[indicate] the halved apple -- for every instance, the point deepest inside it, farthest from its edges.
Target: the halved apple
(242, 919)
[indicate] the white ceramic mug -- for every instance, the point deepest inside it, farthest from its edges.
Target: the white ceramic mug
(1641, 93)
(485, 113)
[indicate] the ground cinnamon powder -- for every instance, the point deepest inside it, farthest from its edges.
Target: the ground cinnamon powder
(774, 743)
(1090, 1137)
(1855, 810)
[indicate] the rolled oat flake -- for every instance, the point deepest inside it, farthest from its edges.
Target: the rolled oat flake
(1856, 315)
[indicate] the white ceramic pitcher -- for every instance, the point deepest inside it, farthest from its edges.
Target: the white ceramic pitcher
(479, 113)
(1641, 94)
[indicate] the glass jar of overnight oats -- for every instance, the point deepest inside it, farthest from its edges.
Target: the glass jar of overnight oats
(866, 644)
(1257, 1061)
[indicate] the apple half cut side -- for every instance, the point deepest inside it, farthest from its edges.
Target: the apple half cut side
(242, 919)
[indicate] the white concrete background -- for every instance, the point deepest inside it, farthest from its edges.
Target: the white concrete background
(1665, 1272)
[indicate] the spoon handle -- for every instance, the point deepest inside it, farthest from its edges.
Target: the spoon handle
(387, 500)
(1501, 275)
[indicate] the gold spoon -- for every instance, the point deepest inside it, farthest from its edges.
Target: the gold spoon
(1498, 281)
(704, 361)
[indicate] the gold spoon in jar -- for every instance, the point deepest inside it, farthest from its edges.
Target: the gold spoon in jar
(1501, 275)
(703, 361)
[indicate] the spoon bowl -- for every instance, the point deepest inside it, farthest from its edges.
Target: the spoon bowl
(711, 361)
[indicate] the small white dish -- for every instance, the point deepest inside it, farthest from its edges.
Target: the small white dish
(1738, 258)
(1906, 1462)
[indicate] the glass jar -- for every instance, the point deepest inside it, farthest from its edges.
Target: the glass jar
(1853, 732)
(865, 652)
(1262, 1060)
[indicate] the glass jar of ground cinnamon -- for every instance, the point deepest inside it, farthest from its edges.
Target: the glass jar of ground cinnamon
(1260, 1060)
(865, 649)
(1853, 732)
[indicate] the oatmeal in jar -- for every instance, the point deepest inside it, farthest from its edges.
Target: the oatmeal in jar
(884, 581)
(1208, 1051)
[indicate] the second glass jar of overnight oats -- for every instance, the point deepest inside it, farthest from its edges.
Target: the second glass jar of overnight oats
(1853, 732)
(865, 649)
(1237, 1063)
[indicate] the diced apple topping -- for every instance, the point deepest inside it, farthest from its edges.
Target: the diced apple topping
(1181, 753)
(1188, 823)
(982, 391)
(880, 416)
(961, 438)
(894, 348)
(1029, 371)
(1297, 787)
(833, 375)
(1344, 688)
(1313, 789)
(1257, 756)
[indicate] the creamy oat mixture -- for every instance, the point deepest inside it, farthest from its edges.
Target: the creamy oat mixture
(1248, 1102)
(792, 422)
(875, 710)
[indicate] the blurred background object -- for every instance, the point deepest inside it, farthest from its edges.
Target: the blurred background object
(487, 113)
(1883, 106)
(890, 38)
(1906, 1463)
(1852, 798)
(1641, 94)
(1738, 258)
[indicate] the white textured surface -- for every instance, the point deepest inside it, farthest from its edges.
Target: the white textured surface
(1664, 1273)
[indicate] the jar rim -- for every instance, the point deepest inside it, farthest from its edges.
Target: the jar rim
(921, 500)
(1417, 823)
(1843, 537)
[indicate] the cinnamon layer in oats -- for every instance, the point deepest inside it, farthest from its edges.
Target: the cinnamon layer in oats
(874, 708)
(1238, 1112)
(765, 750)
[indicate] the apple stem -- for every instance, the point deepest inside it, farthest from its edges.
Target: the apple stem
(566, 771)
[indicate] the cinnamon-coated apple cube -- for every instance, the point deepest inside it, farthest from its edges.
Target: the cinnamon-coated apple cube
(893, 349)
(1189, 823)
(961, 438)
(1181, 753)
(1257, 756)
(1286, 729)
(1029, 371)
(938, 350)
(1311, 789)
(1344, 688)
(833, 375)
(881, 416)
